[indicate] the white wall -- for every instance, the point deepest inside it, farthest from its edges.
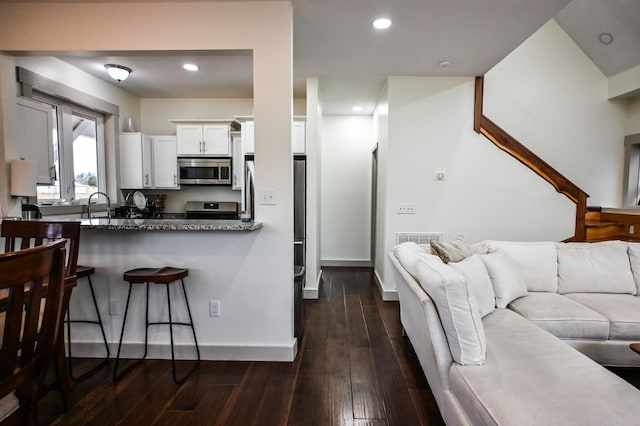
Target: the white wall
(266, 280)
(548, 95)
(633, 119)
(551, 97)
(313, 150)
(346, 188)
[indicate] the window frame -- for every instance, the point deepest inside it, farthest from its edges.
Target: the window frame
(631, 183)
(30, 82)
(65, 111)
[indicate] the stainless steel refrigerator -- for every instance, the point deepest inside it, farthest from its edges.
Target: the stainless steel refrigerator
(299, 237)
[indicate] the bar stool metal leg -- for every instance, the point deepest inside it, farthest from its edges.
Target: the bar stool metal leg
(189, 324)
(116, 376)
(69, 321)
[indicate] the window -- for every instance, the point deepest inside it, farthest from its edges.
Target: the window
(78, 152)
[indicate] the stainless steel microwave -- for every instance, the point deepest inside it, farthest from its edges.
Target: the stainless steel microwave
(204, 171)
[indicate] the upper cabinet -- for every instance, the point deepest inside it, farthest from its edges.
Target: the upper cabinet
(165, 164)
(298, 134)
(203, 137)
(135, 161)
(148, 161)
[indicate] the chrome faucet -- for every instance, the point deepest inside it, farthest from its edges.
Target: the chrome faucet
(108, 204)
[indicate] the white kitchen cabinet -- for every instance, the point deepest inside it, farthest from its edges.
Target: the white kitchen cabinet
(298, 137)
(165, 164)
(237, 162)
(207, 139)
(35, 127)
(248, 136)
(135, 161)
(148, 161)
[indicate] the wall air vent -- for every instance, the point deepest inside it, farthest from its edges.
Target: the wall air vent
(418, 237)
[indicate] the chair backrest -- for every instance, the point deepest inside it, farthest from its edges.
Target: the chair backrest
(22, 234)
(28, 342)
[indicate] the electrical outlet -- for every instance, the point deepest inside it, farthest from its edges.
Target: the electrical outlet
(214, 308)
(406, 208)
(114, 308)
(268, 197)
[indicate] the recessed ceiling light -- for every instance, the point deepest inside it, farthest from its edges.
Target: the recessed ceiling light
(357, 108)
(605, 38)
(382, 23)
(191, 67)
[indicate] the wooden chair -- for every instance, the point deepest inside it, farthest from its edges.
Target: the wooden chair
(28, 342)
(22, 234)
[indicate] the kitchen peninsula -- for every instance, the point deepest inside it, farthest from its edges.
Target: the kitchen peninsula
(218, 255)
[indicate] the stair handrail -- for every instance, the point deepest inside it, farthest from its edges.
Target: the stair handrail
(503, 140)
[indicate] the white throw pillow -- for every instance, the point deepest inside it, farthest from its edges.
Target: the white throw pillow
(457, 310)
(595, 268)
(479, 282)
(536, 261)
(508, 284)
(633, 249)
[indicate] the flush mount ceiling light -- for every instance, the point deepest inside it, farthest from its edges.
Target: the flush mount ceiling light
(605, 38)
(382, 23)
(191, 67)
(357, 108)
(444, 63)
(118, 72)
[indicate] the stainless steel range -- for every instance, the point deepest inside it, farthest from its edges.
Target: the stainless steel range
(212, 210)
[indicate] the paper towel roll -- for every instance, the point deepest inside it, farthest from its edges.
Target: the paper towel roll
(23, 178)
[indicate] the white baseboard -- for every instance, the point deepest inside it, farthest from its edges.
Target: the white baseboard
(387, 295)
(208, 352)
(313, 293)
(354, 263)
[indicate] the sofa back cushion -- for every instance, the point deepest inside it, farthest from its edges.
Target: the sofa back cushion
(594, 268)
(478, 282)
(508, 284)
(536, 262)
(457, 309)
(408, 254)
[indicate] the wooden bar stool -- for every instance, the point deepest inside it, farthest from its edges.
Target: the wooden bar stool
(166, 276)
(86, 272)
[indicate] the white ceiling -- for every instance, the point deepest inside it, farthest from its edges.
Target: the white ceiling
(334, 40)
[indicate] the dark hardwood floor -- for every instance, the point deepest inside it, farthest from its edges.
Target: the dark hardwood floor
(353, 368)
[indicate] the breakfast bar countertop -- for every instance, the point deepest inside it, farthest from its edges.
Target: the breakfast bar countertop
(169, 224)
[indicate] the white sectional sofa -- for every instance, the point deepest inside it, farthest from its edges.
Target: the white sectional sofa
(514, 333)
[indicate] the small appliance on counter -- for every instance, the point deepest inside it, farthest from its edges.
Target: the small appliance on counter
(212, 210)
(31, 211)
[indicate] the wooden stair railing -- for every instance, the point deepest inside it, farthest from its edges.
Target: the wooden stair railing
(517, 150)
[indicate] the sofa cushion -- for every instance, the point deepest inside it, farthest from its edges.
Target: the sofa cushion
(454, 251)
(622, 311)
(408, 254)
(479, 282)
(532, 378)
(562, 316)
(536, 261)
(633, 250)
(506, 280)
(457, 309)
(594, 268)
